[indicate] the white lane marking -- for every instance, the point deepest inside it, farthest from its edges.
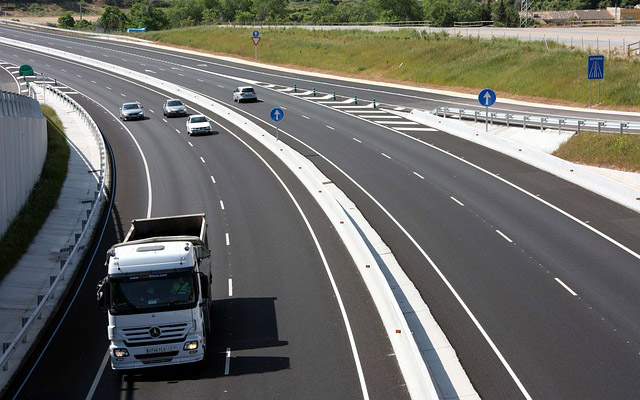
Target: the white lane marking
(228, 240)
(397, 122)
(179, 132)
(379, 116)
(284, 108)
(566, 287)
(108, 87)
(418, 175)
(305, 117)
(221, 87)
(332, 128)
(151, 71)
(164, 120)
(227, 361)
(94, 82)
(357, 140)
(79, 76)
(63, 70)
(384, 155)
(199, 80)
(153, 112)
(180, 74)
(201, 159)
(230, 287)
(457, 201)
(221, 205)
(191, 144)
(504, 236)
(96, 380)
(212, 178)
(123, 95)
(425, 129)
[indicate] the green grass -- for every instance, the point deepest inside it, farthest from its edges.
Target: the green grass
(603, 150)
(43, 197)
(509, 66)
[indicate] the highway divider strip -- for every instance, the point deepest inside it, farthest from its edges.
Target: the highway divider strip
(417, 378)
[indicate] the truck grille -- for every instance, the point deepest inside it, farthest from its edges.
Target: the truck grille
(159, 334)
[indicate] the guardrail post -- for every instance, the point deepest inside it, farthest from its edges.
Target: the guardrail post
(355, 100)
(600, 125)
(459, 114)
(295, 88)
(475, 116)
(492, 115)
(507, 117)
(334, 96)
(542, 121)
(524, 121)
(314, 92)
(580, 123)
(444, 112)
(560, 122)
(374, 103)
(622, 126)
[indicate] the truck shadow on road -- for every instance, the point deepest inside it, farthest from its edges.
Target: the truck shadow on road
(238, 324)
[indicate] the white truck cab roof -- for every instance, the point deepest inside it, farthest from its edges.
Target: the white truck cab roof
(147, 257)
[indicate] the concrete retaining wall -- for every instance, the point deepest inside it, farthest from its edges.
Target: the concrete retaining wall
(23, 149)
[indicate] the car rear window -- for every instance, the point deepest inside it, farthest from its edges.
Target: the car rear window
(175, 103)
(198, 119)
(247, 89)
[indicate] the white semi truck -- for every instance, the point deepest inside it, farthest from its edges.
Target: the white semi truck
(157, 293)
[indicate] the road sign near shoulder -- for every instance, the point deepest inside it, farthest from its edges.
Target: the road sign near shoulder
(256, 40)
(277, 114)
(595, 70)
(256, 33)
(487, 97)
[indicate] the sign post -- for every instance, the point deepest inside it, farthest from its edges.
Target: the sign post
(255, 36)
(277, 115)
(487, 98)
(595, 72)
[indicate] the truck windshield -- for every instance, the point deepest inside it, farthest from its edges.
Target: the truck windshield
(153, 292)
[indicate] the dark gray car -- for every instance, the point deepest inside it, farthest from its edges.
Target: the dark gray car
(132, 110)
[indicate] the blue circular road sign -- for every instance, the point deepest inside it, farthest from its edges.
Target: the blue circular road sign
(277, 114)
(487, 97)
(256, 33)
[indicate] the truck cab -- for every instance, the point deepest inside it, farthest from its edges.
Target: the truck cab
(157, 293)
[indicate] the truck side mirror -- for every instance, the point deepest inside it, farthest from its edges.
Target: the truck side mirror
(202, 253)
(102, 294)
(204, 285)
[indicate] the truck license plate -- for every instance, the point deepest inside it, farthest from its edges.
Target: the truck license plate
(160, 349)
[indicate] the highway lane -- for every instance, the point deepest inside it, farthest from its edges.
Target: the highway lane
(619, 221)
(289, 330)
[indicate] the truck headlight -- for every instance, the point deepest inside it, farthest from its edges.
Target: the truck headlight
(120, 353)
(192, 345)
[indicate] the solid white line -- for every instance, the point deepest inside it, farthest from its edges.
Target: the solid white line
(226, 235)
(457, 201)
(359, 141)
(305, 117)
(96, 380)
(378, 116)
(212, 178)
(566, 287)
(202, 159)
(386, 156)
(221, 204)
(425, 129)
(191, 144)
(333, 129)
(418, 175)
(504, 236)
(397, 122)
(227, 361)
(230, 287)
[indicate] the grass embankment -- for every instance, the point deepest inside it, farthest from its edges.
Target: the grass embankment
(516, 69)
(42, 199)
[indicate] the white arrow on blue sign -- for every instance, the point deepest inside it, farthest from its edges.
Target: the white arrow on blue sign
(277, 114)
(487, 97)
(256, 33)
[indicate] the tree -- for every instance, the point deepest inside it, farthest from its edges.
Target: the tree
(186, 12)
(403, 10)
(144, 15)
(113, 19)
(83, 25)
(270, 10)
(66, 21)
(210, 16)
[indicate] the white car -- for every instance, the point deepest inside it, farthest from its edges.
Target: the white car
(198, 124)
(244, 93)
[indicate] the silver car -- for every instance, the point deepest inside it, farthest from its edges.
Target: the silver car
(131, 110)
(244, 93)
(174, 107)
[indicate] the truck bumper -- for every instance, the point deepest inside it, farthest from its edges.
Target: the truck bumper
(155, 356)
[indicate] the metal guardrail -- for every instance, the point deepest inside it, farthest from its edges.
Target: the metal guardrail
(538, 121)
(472, 24)
(43, 299)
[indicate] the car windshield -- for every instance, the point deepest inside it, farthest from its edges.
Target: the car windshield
(130, 106)
(247, 89)
(174, 103)
(153, 292)
(198, 119)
